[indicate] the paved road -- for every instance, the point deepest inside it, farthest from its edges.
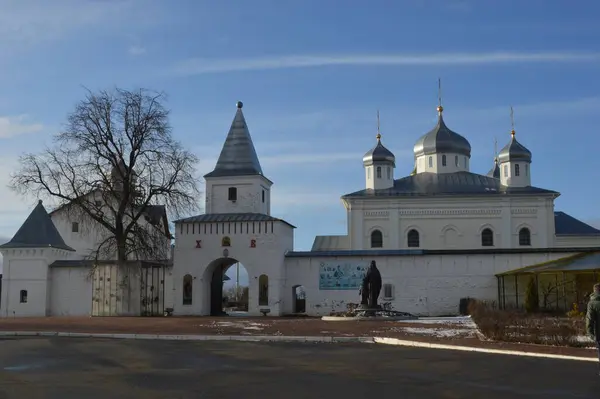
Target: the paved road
(65, 368)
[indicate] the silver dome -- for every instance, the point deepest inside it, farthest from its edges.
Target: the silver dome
(514, 151)
(379, 154)
(495, 171)
(442, 139)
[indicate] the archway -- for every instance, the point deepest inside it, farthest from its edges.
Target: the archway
(299, 299)
(228, 287)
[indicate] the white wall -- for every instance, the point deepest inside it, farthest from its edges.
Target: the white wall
(454, 163)
(515, 174)
(266, 258)
(249, 195)
(382, 181)
(423, 285)
(71, 293)
(451, 222)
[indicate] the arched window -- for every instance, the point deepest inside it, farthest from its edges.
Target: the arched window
(376, 239)
(187, 289)
(517, 170)
(389, 173)
(368, 173)
(505, 170)
(379, 172)
(444, 160)
(232, 194)
(413, 239)
(431, 162)
(487, 238)
(263, 290)
(526, 170)
(23, 296)
(456, 160)
(524, 236)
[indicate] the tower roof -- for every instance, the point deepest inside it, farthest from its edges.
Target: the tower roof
(495, 171)
(238, 156)
(442, 139)
(514, 151)
(379, 154)
(38, 231)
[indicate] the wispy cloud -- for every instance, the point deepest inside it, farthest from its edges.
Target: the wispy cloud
(136, 50)
(13, 126)
(198, 66)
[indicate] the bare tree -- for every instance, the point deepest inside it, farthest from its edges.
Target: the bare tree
(113, 163)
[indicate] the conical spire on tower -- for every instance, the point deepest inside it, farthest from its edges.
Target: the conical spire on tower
(38, 231)
(238, 155)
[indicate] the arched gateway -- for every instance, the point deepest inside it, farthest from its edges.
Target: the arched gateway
(237, 226)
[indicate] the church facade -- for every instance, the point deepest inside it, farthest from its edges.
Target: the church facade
(441, 234)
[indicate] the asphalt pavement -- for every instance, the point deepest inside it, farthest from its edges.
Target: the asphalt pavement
(71, 368)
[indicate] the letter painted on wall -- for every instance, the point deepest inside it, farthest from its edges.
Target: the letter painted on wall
(253, 243)
(341, 275)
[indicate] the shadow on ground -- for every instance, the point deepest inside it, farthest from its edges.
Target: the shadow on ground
(68, 368)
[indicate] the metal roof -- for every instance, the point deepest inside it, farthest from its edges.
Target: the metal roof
(442, 139)
(576, 263)
(379, 154)
(567, 225)
(238, 155)
(231, 217)
(514, 151)
(495, 171)
(458, 183)
(38, 231)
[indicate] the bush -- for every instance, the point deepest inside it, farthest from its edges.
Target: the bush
(532, 299)
(518, 326)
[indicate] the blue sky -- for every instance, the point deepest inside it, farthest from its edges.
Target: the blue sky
(312, 75)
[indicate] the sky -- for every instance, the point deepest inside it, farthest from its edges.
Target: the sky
(312, 75)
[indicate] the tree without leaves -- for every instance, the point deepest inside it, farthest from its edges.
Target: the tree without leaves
(114, 160)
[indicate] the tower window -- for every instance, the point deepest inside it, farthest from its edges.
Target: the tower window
(75, 227)
(389, 173)
(379, 172)
(466, 164)
(23, 296)
(232, 194)
(431, 162)
(444, 160)
(263, 196)
(505, 170)
(369, 173)
(376, 239)
(456, 160)
(413, 239)
(517, 171)
(526, 170)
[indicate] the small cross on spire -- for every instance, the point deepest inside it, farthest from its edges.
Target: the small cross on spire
(512, 121)
(440, 108)
(378, 132)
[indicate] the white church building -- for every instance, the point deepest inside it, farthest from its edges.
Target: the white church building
(441, 234)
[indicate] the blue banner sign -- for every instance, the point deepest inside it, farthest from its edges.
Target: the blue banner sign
(341, 275)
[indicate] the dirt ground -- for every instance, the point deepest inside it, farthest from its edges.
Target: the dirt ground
(460, 334)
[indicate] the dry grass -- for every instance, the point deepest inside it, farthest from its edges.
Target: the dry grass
(519, 326)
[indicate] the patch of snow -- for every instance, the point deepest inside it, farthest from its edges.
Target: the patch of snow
(465, 321)
(253, 328)
(438, 332)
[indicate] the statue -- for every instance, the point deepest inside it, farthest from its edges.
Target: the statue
(371, 287)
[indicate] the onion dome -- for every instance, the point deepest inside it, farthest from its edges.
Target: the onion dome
(495, 171)
(514, 151)
(379, 154)
(442, 140)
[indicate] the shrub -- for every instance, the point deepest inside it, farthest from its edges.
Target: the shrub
(518, 326)
(532, 299)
